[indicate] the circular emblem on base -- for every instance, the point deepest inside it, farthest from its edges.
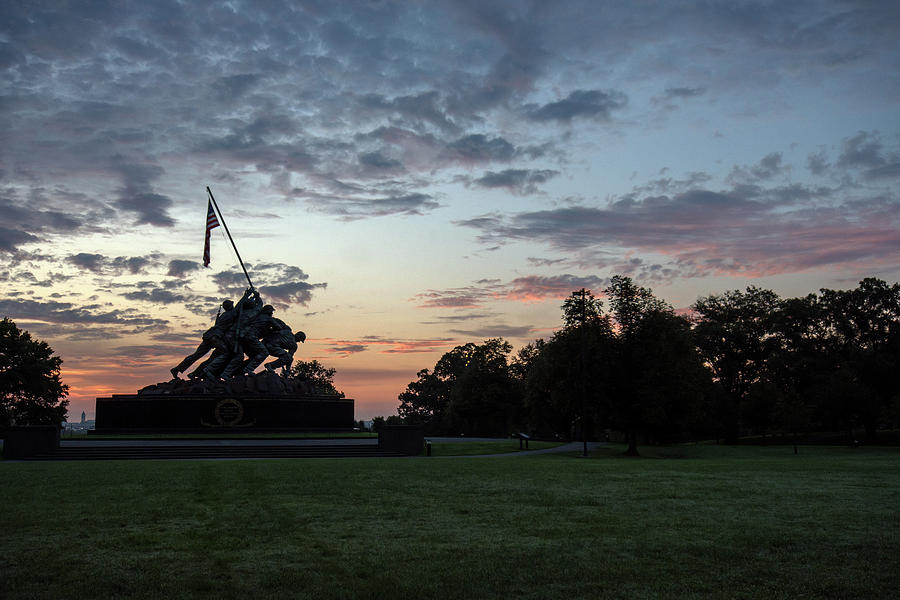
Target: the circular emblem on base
(229, 412)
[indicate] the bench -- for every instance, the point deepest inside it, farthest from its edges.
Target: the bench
(523, 437)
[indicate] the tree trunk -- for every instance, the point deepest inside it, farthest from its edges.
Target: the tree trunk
(631, 436)
(871, 424)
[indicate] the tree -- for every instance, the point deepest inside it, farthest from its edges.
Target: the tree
(658, 378)
(379, 422)
(581, 307)
(735, 336)
(31, 392)
(318, 374)
(425, 401)
(631, 304)
(635, 369)
(471, 390)
(864, 325)
(566, 378)
(484, 398)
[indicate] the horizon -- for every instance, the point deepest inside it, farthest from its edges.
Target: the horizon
(400, 180)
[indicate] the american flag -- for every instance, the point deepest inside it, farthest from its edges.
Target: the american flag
(211, 223)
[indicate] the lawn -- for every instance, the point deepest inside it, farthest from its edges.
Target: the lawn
(681, 522)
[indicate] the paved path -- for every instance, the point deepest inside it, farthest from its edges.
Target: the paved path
(570, 447)
(148, 443)
(268, 448)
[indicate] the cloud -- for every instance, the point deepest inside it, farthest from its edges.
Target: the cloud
(78, 322)
(592, 104)
(497, 330)
(157, 296)
(11, 239)
(387, 345)
(684, 92)
(346, 349)
(133, 264)
(887, 171)
(359, 202)
(88, 261)
(24, 221)
(748, 231)
(544, 262)
(459, 318)
(478, 148)
(817, 162)
(232, 87)
(100, 264)
(279, 284)
(532, 288)
(151, 209)
(862, 150)
(866, 151)
(294, 292)
(181, 268)
(466, 297)
(377, 160)
(412, 109)
(767, 168)
(137, 195)
(520, 181)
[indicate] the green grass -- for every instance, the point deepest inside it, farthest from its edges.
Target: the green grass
(681, 522)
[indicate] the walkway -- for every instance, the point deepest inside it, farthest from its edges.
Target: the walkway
(200, 448)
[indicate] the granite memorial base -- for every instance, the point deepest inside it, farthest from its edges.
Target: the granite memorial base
(212, 413)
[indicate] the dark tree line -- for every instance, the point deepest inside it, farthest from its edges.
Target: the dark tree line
(746, 362)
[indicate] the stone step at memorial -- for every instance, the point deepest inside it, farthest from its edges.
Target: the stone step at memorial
(214, 452)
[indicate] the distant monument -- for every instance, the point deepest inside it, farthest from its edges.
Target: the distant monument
(224, 392)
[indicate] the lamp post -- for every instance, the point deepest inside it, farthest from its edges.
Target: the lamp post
(582, 295)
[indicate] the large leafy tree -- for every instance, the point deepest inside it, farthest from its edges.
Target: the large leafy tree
(835, 361)
(425, 401)
(796, 391)
(318, 374)
(484, 397)
(567, 377)
(658, 379)
(864, 329)
(634, 369)
(31, 392)
(471, 390)
(736, 337)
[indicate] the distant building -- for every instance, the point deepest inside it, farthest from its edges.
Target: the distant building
(82, 417)
(74, 426)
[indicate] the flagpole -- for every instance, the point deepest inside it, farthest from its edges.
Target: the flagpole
(213, 199)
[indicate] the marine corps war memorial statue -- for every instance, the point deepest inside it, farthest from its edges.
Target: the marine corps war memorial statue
(224, 392)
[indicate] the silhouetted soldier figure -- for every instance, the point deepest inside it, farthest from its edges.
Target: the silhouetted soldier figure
(213, 338)
(248, 336)
(247, 308)
(282, 344)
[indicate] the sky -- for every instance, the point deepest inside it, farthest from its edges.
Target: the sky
(404, 177)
